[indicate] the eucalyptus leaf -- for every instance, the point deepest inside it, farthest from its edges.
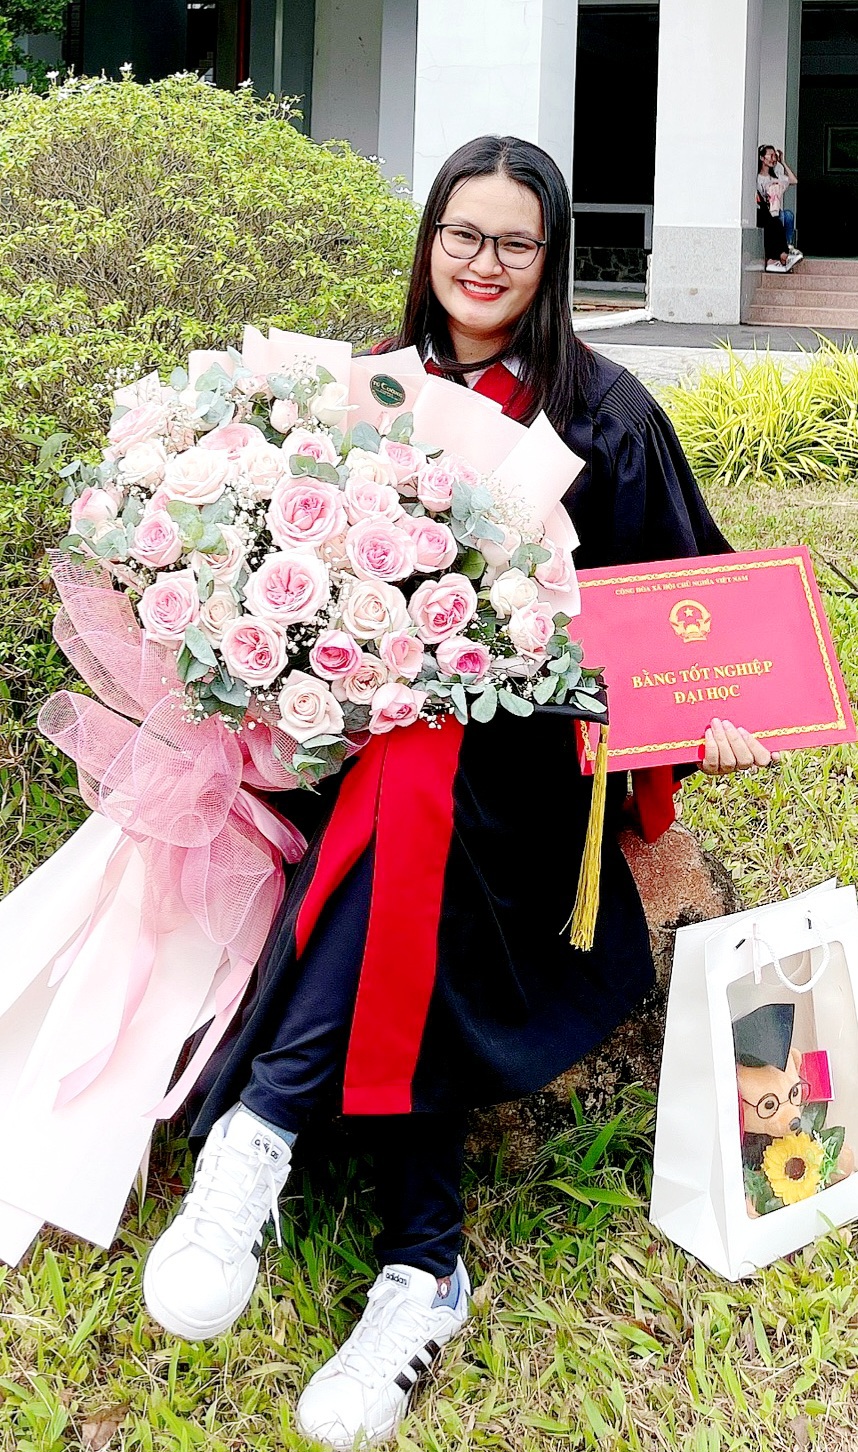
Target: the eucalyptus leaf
(485, 706)
(205, 581)
(70, 469)
(401, 429)
(516, 705)
(461, 502)
(236, 694)
(210, 540)
(459, 699)
(188, 668)
(315, 742)
(472, 565)
(544, 690)
(179, 380)
(199, 646)
(589, 703)
(364, 436)
(324, 375)
(486, 529)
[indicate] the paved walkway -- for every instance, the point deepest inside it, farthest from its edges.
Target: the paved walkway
(662, 353)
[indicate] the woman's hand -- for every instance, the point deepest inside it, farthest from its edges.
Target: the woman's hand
(731, 748)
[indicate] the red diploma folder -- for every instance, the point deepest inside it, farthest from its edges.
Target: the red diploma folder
(742, 636)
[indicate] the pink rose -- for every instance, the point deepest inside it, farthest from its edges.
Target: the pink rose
(288, 587)
(368, 465)
(284, 415)
(197, 476)
(335, 654)
(372, 608)
(499, 554)
(460, 657)
(402, 653)
(394, 705)
(308, 708)
(305, 512)
(146, 421)
(380, 551)
(558, 573)
(227, 566)
(403, 460)
(333, 552)
(440, 608)
(360, 685)
(232, 439)
(435, 486)
(530, 630)
(364, 499)
(462, 470)
(157, 541)
(96, 506)
(435, 544)
(263, 465)
(217, 613)
(169, 606)
(254, 650)
(145, 463)
(310, 446)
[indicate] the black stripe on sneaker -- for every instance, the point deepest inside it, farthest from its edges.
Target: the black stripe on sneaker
(433, 1348)
(403, 1382)
(256, 1249)
(418, 1365)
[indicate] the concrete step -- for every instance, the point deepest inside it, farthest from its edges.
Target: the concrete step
(804, 297)
(844, 284)
(804, 317)
(840, 266)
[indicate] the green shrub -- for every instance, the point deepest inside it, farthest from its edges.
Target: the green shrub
(137, 222)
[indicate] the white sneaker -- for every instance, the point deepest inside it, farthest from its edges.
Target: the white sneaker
(777, 267)
(361, 1395)
(200, 1274)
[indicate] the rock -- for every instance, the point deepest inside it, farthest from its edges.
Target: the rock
(679, 883)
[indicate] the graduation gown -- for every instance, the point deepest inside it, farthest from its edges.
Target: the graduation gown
(469, 991)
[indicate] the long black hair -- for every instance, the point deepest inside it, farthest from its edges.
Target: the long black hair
(761, 151)
(554, 365)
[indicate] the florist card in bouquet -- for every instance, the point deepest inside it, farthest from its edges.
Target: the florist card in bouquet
(384, 387)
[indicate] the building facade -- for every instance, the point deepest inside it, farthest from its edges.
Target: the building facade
(653, 109)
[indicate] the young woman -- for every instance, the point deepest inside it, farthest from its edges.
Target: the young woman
(774, 176)
(409, 975)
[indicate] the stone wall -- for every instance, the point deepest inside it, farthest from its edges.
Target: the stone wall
(610, 264)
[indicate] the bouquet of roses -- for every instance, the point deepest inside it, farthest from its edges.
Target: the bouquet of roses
(317, 575)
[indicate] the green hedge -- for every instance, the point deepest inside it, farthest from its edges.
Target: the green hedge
(137, 222)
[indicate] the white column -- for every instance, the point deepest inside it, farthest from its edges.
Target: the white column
(346, 72)
(705, 240)
(780, 76)
(493, 66)
(396, 93)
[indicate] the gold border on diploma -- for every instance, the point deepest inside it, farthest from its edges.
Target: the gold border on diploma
(839, 722)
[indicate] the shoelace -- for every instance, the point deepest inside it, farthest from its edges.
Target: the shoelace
(231, 1212)
(392, 1330)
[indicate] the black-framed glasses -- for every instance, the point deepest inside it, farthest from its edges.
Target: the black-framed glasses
(768, 1106)
(465, 243)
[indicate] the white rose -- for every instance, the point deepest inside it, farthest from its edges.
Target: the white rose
(197, 476)
(331, 404)
(308, 708)
(373, 608)
(145, 463)
(370, 466)
(263, 465)
(216, 614)
(511, 591)
(227, 567)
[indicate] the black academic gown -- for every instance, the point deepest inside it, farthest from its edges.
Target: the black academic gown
(480, 998)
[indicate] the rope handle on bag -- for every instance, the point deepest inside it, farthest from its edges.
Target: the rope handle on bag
(758, 941)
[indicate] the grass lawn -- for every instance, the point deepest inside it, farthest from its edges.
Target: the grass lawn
(589, 1330)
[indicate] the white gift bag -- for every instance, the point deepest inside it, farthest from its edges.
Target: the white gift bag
(793, 964)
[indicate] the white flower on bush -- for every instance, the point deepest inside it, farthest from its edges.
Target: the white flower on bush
(288, 587)
(370, 466)
(227, 565)
(371, 608)
(156, 540)
(361, 684)
(144, 464)
(254, 650)
(198, 476)
(168, 606)
(511, 591)
(308, 708)
(331, 404)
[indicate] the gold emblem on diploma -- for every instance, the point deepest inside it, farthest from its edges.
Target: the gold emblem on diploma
(690, 620)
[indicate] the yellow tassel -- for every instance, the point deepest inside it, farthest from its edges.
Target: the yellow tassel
(585, 911)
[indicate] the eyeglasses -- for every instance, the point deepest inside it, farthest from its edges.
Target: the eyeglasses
(466, 243)
(768, 1106)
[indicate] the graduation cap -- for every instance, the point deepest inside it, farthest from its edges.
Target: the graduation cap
(764, 1036)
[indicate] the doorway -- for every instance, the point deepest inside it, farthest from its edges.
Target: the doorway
(827, 161)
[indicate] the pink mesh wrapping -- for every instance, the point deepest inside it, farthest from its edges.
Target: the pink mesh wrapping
(177, 788)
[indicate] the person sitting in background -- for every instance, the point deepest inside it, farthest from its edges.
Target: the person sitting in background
(778, 224)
